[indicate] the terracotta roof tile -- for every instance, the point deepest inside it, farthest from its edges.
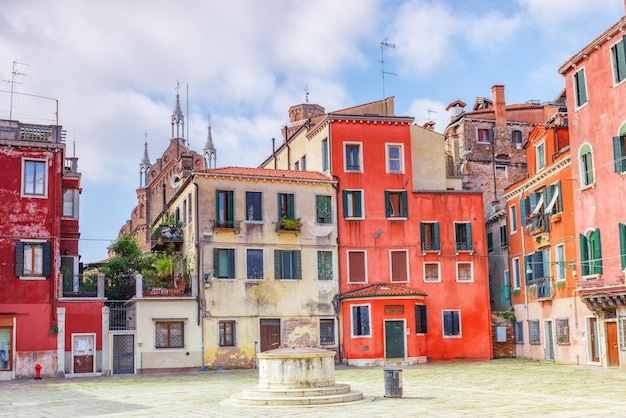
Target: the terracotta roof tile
(381, 290)
(266, 172)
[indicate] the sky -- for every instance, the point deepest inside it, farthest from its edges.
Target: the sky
(112, 68)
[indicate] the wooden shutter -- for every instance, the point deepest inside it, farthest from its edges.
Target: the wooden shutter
(388, 209)
(618, 153)
(357, 267)
(398, 266)
(436, 234)
(278, 264)
(405, 205)
(297, 265)
(538, 264)
(468, 236)
(291, 206)
(47, 259)
(230, 208)
(358, 212)
(423, 235)
(622, 243)
(216, 263)
(597, 252)
(19, 258)
(584, 254)
(421, 323)
(522, 210)
(231, 264)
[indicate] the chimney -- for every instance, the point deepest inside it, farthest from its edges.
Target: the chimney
(499, 104)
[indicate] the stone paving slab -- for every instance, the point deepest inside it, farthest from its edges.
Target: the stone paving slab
(498, 388)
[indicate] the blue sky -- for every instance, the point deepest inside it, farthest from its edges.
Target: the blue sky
(113, 67)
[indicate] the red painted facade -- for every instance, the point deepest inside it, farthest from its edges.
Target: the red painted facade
(33, 236)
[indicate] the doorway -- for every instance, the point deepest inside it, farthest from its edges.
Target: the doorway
(612, 349)
(594, 346)
(394, 339)
(270, 334)
(549, 340)
(123, 354)
(83, 353)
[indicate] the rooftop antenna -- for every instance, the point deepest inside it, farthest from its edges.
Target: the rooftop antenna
(384, 45)
(429, 112)
(188, 144)
(306, 93)
(14, 74)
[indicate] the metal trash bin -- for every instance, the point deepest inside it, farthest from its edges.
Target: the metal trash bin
(393, 383)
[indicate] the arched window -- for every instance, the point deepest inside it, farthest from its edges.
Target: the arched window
(585, 156)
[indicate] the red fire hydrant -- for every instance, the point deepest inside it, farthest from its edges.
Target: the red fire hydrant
(38, 371)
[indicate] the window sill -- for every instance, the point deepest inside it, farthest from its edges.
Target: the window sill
(35, 278)
(587, 187)
(397, 218)
(254, 222)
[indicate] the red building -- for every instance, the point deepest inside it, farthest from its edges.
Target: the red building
(412, 256)
(596, 103)
(43, 321)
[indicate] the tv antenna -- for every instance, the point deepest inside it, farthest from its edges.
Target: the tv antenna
(306, 93)
(384, 45)
(429, 112)
(14, 74)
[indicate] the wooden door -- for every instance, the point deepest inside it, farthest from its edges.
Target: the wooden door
(612, 349)
(594, 348)
(270, 334)
(394, 339)
(549, 340)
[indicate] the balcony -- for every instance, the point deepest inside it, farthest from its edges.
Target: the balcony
(166, 233)
(81, 286)
(289, 225)
(430, 247)
(16, 131)
(464, 246)
(121, 316)
(225, 225)
(544, 288)
(601, 281)
(167, 287)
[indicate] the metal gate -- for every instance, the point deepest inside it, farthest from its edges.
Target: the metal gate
(123, 354)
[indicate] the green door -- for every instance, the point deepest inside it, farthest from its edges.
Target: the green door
(394, 339)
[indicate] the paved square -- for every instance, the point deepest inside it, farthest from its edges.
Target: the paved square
(498, 388)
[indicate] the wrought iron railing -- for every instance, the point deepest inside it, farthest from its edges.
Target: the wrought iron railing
(430, 246)
(121, 316)
(80, 286)
(544, 288)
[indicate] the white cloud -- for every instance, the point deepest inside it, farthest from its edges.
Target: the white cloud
(425, 109)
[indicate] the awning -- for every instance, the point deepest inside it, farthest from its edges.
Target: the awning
(555, 195)
(539, 205)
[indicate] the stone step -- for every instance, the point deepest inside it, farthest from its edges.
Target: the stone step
(293, 392)
(296, 400)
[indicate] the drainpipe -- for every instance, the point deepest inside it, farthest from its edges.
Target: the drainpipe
(524, 263)
(199, 275)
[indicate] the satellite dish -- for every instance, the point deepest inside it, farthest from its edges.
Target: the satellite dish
(175, 180)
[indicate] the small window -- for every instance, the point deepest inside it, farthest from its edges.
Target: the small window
(170, 334)
(324, 265)
(519, 332)
(254, 264)
(361, 325)
(485, 135)
(185, 212)
(33, 259)
(540, 156)
(534, 337)
(356, 267)
(504, 236)
(395, 158)
(516, 137)
(452, 323)
(421, 321)
(562, 331)
(396, 204)
(431, 272)
(225, 217)
(501, 171)
(34, 182)
(353, 204)
(619, 153)
(325, 155)
(303, 163)
(513, 218)
(224, 263)
(429, 234)
(580, 88)
(586, 166)
(399, 266)
(323, 209)
(560, 262)
(618, 59)
(286, 206)
(463, 236)
(226, 333)
(70, 203)
(327, 331)
(296, 165)
(254, 206)
(490, 241)
(353, 157)
(516, 273)
(464, 272)
(287, 264)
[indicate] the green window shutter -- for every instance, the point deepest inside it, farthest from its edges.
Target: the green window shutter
(217, 205)
(230, 206)
(522, 211)
(231, 263)
(358, 204)
(538, 264)
(597, 252)
(490, 241)
(617, 154)
(581, 90)
(280, 206)
(344, 195)
(405, 205)
(278, 264)
(436, 233)
(620, 58)
(622, 244)
(19, 258)
(291, 206)
(584, 254)
(468, 236)
(387, 204)
(297, 265)
(422, 233)
(558, 185)
(527, 267)
(216, 262)
(47, 259)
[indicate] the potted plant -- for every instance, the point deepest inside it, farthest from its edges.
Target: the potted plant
(290, 224)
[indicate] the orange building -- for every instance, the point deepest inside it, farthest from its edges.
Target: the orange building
(542, 250)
